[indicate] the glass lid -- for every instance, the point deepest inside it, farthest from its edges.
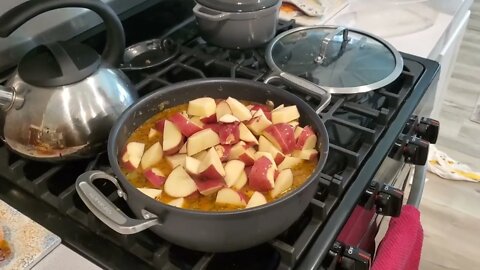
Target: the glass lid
(340, 60)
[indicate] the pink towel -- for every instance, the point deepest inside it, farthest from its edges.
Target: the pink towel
(401, 247)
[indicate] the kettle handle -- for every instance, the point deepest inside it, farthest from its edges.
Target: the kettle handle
(115, 44)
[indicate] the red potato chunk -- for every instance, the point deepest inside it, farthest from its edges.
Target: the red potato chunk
(151, 192)
(184, 124)
(209, 186)
(152, 156)
(307, 139)
(261, 177)
(132, 155)
(230, 197)
(229, 133)
(257, 199)
(281, 135)
(172, 139)
(155, 176)
(202, 107)
(202, 140)
(179, 184)
(211, 167)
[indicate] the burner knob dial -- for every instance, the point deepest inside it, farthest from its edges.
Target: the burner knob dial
(354, 259)
(428, 129)
(389, 201)
(416, 151)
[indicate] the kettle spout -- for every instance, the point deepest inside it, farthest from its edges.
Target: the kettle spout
(8, 98)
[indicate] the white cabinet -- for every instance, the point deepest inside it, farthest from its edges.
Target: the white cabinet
(447, 59)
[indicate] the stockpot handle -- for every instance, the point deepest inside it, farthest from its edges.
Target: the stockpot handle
(303, 85)
(215, 18)
(105, 210)
(115, 44)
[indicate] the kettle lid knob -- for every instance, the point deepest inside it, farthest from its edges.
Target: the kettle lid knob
(58, 64)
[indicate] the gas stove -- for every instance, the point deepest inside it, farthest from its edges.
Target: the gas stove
(368, 137)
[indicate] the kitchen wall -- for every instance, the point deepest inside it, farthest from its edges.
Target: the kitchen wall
(459, 136)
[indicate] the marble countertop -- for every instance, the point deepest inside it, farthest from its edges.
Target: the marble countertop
(424, 34)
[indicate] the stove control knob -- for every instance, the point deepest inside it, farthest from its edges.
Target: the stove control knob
(389, 201)
(428, 129)
(416, 151)
(354, 259)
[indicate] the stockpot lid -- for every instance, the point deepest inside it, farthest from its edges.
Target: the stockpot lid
(238, 5)
(340, 60)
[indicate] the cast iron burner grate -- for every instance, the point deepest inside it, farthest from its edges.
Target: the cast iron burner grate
(354, 124)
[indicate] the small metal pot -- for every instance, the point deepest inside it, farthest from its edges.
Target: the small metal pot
(237, 29)
(201, 230)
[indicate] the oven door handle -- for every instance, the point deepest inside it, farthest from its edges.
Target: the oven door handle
(418, 183)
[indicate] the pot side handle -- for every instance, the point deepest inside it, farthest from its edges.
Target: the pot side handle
(219, 16)
(104, 209)
(302, 85)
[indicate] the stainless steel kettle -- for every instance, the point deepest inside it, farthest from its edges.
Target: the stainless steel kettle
(63, 98)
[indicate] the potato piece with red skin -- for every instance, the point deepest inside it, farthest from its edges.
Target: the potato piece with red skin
(307, 154)
(179, 183)
(155, 176)
(261, 177)
(211, 119)
(202, 140)
(297, 132)
(233, 170)
(192, 166)
(132, 155)
(223, 151)
(184, 124)
(283, 182)
(246, 135)
(209, 186)
(172, 139)
(222, 109)
(281, 136)
(179, 202)
(229, 133)
(238, 109)
(257, 110)
(176, 160)
(260, 154)
(152, 156)
(203, 107)
(160, 125)
(241, 181)
(264, 145)
(258, 124)
(211, 167)
(151, 192)
(228, 118)
(183, 149)
(230, 196)
(289, 162)
(307, 139)
(285, 115)
(242, 152)
(257, 199)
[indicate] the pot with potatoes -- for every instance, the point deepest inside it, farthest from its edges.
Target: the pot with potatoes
(214, 165)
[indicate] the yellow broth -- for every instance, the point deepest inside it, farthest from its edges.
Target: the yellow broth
(197, 201)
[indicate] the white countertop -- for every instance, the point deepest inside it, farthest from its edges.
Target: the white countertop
(422, 34)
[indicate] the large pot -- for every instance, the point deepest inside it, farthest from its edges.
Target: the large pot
(239, 24)
(198, 230)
